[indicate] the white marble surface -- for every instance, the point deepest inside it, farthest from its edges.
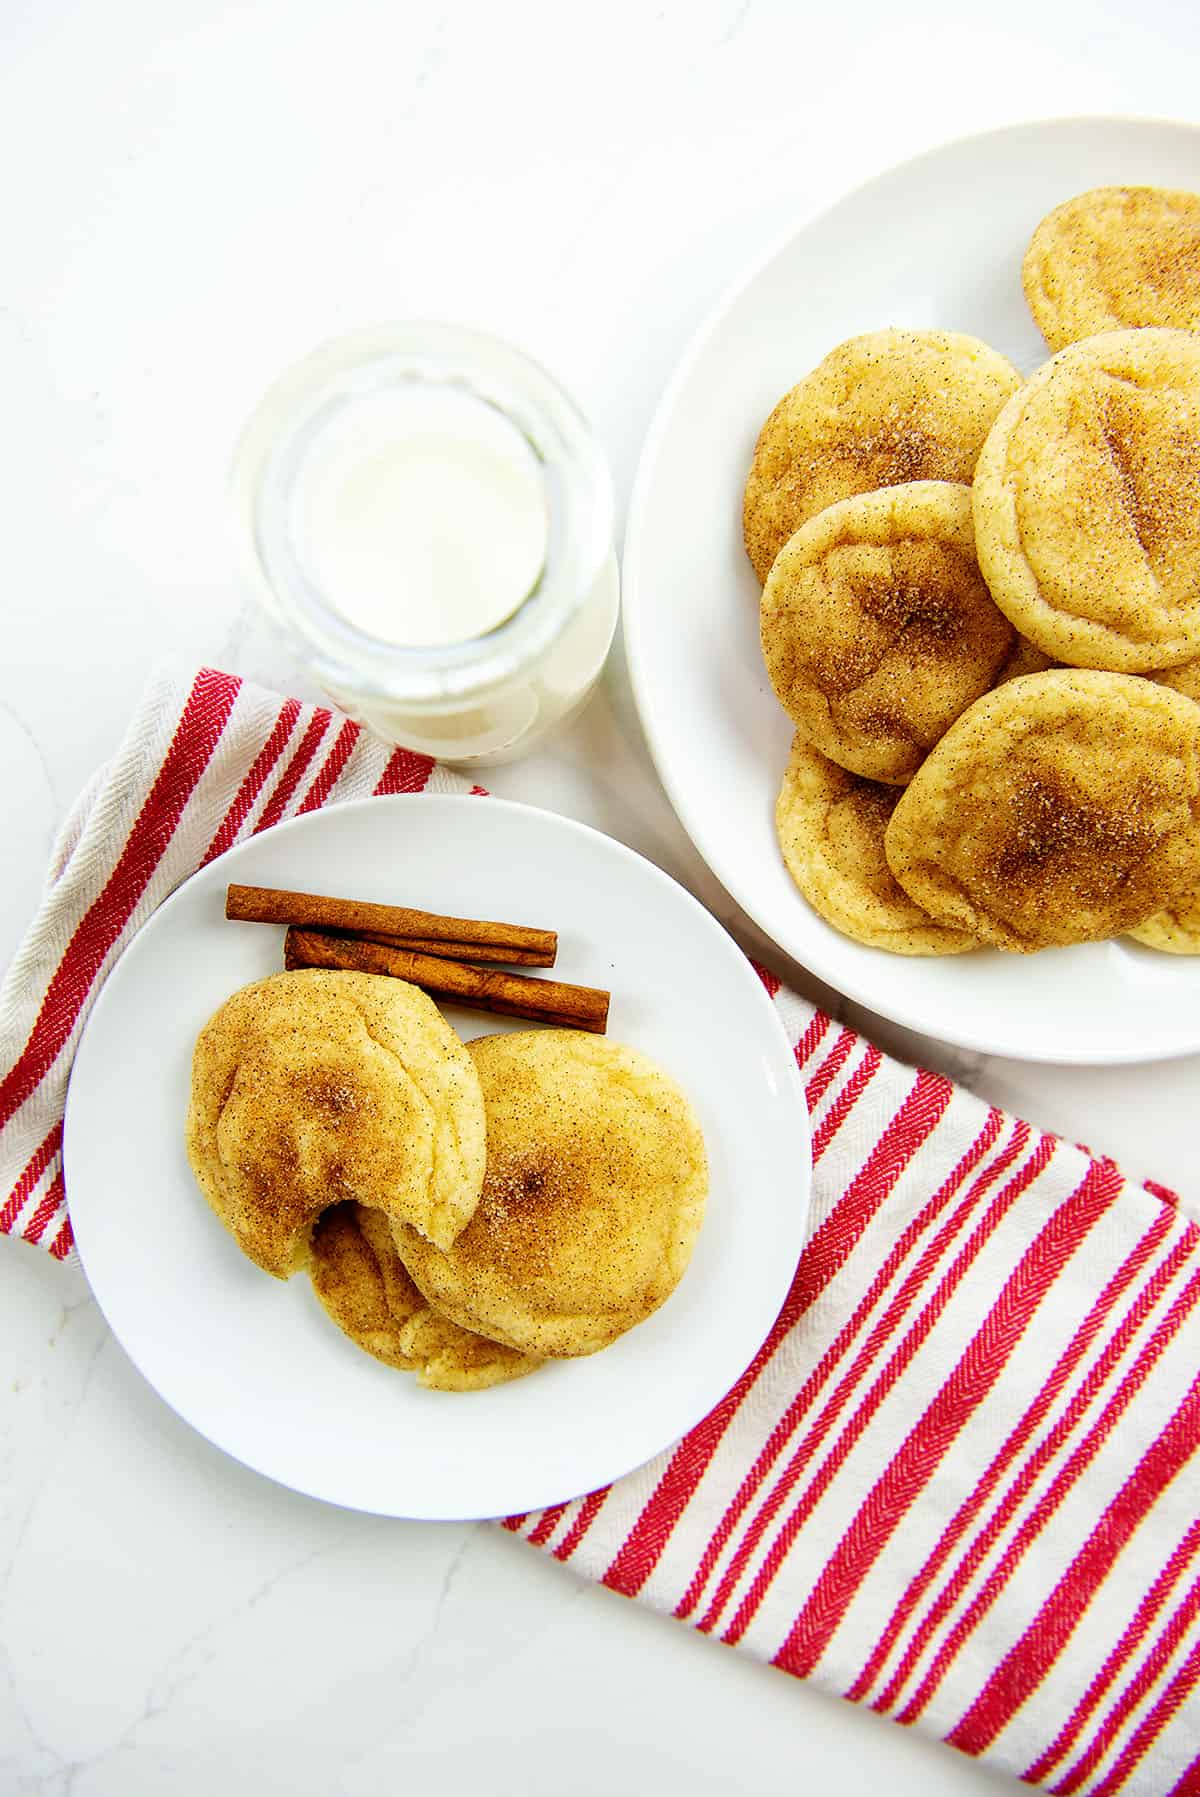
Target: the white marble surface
(196, 191)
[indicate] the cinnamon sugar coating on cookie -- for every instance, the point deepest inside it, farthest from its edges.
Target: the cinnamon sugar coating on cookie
(831, 825)
(1115, 258)
(880, 411)
(1087, 503)
(312, 1087)
(364, 1287)
(1063, 807)
(878, 630)
(592, 1200)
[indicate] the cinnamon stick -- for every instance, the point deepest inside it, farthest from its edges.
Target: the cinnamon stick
(457, 938)
(454, 951)
(476, 988)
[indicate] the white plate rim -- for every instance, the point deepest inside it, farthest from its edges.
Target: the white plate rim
(785, 1068)
(632, 604)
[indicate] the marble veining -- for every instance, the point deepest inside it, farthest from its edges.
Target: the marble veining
(204, 192)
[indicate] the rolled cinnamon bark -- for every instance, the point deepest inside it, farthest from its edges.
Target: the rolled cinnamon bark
(454, 951)
(458, 938)
(476, 988)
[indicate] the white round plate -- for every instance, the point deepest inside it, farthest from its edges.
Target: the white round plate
(255, 1364)
(937, 242)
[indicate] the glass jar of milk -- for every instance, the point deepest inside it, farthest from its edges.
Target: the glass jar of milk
(430, 517)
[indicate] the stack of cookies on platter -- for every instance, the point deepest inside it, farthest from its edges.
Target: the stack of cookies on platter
(465, 1211)
(981, 607)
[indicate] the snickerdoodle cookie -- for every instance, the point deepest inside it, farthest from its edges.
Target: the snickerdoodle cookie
(1062, 807)
(1113, 258)
(879, 411)
(877, 628)
(1087, 503)
(830, 825)
(364, 1287)
(592, 1201)
(1175, 930)
(312, 1087)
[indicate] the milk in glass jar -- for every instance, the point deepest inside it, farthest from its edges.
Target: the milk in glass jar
(429, 516)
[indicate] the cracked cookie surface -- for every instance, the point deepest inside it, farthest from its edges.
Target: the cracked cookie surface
(313, 1087)
(592, 1201)
(831, 825)
(1087, 503)
(877, 628)
(880, 410)
(1115, 258)
(1062, 807)
(364, 1287)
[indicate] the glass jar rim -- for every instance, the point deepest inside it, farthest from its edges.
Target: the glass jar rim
(312, 391)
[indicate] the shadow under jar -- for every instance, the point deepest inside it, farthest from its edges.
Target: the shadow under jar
(430, 518)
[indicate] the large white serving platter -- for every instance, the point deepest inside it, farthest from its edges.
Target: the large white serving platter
(936, 242)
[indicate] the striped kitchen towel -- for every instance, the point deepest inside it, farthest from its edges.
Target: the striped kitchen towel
(954, 1482)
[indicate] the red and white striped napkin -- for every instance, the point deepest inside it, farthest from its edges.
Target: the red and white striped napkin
(953, 1484)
